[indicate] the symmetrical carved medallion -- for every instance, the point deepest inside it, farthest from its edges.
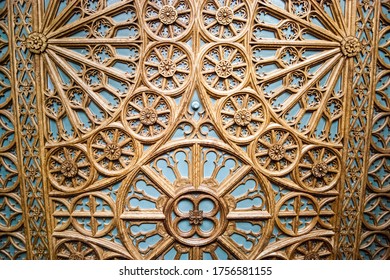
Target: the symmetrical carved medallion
(210, 129)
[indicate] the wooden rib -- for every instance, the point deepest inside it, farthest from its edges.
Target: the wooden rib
(184, 11)
(52, 71)
(212, 13)
(320, 74)
(231, 247)
(294, 214)
(318, 44)
(81, 59)
(53, 20)
(217, 3)
(248, 215)
(307, 62)
(142, 215)
(234, 179)
(152, 18)
(161, 248)
(79, 214)
(238, 7)
(160, 181)
(333, 78)
(50, 13)
(338, 14)
(330, 23)
(74, 25)
(71, 72)
(317, 30)
(154, 6)
(90, 41)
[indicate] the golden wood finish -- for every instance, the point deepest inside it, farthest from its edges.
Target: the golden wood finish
(207, 129)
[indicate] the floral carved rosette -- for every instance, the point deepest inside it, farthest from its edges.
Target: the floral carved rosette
(172, 202)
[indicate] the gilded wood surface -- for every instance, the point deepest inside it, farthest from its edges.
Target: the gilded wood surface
(210, 129)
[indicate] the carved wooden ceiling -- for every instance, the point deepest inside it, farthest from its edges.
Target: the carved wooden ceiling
(204, 129)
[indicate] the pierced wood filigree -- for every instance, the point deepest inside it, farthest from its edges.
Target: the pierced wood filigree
(210, 129)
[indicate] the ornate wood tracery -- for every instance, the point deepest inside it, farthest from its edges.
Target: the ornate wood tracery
(179, 129)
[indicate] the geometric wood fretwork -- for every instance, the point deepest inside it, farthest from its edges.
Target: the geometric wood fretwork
(179, 129)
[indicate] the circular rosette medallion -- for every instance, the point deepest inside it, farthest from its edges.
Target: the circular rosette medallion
(242, 116)
(113, 150)
(148, 115)
(224, 68)
(69, 168)
(276, 151)
(168, 19)
(76, 250)
(167, 67)
(197, 217)
(195, 197)
(224, 19)
(318, 168)
(313, 249)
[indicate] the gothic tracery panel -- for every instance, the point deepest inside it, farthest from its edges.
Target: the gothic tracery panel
(179, 129)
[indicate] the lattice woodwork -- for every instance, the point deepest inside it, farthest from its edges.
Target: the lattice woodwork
(183, 129)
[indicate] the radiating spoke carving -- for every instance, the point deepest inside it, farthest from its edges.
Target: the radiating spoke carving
(224, 68)
(69, 168)
(318, 169)
(148, 114)
(179, 129)
(167, 67)
(225, 19)
(313, 249)
(170, 19)
(297, 47)
(113, 150)
(242, 116)
(276, 151)
(76, 250)
(208, 200)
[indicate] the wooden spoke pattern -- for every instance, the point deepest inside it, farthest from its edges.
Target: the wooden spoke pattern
(318, 169)
(167, 67)
(192, 209)
(69, 168)
(180, 129)
(299, 51)
(224, 68)
(168, 19)
(148, 115)
(113, 150)
(225, 20)
(76, 250)
(87, 79)
(276, 151)
(243, 115)
(314, 249)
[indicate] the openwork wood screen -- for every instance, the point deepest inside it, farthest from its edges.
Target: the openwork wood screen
(194, 129)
